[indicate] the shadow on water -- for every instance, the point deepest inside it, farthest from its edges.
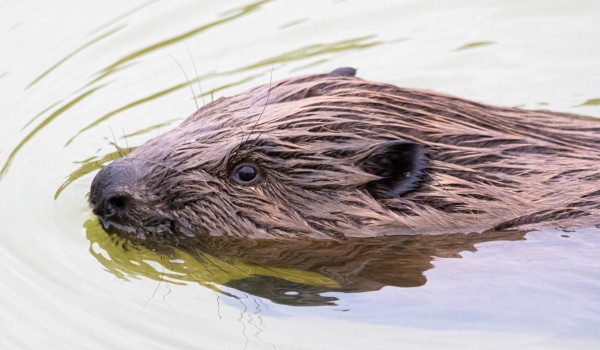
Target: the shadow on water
(297, 272)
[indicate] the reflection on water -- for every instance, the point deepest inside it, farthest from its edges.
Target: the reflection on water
(474, 45)
(293, 55)
(297, 54)
(73, 53)
(41, 126)
(294, 272)
(228, 17)
(592, 102)
(128, 260)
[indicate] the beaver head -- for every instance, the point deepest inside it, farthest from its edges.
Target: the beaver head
(331, 155)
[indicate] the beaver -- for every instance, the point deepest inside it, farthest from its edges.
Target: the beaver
(330, 156)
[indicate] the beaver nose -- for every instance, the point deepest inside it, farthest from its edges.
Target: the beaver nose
(111, 192)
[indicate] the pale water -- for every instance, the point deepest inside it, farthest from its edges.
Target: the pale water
(78, 77)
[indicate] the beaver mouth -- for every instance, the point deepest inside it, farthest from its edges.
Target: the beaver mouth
(135, 228)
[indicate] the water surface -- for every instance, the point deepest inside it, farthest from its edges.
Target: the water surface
(82, 83)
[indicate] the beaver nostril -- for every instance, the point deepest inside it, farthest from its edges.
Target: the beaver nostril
(116, 204)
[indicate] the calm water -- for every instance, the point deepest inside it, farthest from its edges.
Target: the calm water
(82, 81)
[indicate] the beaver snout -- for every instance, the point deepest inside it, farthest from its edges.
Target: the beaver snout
(111, 193)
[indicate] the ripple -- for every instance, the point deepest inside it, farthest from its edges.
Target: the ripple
(68, 284)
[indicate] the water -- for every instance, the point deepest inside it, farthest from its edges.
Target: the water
(77, 78)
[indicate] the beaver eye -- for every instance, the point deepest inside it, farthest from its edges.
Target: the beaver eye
(245, 174)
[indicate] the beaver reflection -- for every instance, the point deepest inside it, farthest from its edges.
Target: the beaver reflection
(290, 272)
(356, 265)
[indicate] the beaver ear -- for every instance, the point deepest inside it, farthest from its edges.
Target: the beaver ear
(344, 71)
(400, 166)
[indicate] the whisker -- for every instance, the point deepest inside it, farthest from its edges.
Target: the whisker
(188, 80)
(115, 141)
(125, 137)
(264, 107)
(197, 76)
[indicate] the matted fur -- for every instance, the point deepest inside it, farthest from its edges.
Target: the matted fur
(489, 167)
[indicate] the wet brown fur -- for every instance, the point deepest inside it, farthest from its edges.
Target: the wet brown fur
(489, 167)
